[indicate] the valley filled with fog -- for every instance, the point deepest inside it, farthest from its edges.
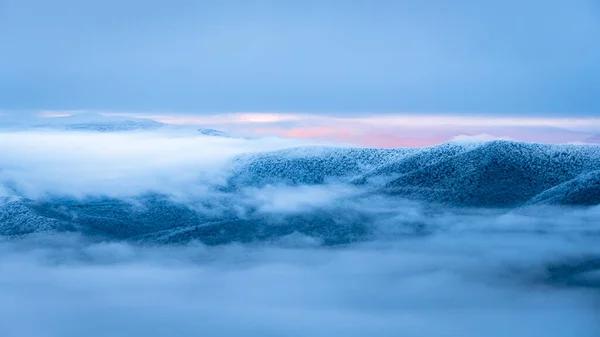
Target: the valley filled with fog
(136, 228)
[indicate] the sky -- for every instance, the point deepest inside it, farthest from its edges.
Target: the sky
(326, 58)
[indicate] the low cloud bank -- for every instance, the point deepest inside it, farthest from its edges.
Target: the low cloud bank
(477, 274)
(419, 270)
(34, 164)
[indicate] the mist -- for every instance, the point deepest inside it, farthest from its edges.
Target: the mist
(373, 264)
(472, 280)
(36, 163)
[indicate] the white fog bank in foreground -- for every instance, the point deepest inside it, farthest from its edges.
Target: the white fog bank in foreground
(481, 275)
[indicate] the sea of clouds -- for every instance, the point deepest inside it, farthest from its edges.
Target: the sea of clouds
(427, 271)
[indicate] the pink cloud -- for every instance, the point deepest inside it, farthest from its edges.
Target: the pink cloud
(395, 136)
(396, 130)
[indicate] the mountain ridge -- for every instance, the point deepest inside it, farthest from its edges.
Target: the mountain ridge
(491, 175)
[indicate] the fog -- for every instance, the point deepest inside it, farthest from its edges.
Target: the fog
(468, 281)
(425, 270)
(119, 164)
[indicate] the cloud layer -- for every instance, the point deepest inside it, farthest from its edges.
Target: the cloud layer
(408, 267)
(394, 129)
(498, 275)
(80, 163)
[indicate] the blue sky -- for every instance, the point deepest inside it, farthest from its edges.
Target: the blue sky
(521, 58)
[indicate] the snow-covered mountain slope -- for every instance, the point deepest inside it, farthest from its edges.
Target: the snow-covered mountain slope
(155, 219)
(497, 174)
(309, 165)
(413, 160)
(17, 217)
(324, 227)
(118, 218)
(582, 190)
(490, 174)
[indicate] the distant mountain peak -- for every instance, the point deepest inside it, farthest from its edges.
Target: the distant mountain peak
(83, 121)
(593, 139)
(214, 133)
